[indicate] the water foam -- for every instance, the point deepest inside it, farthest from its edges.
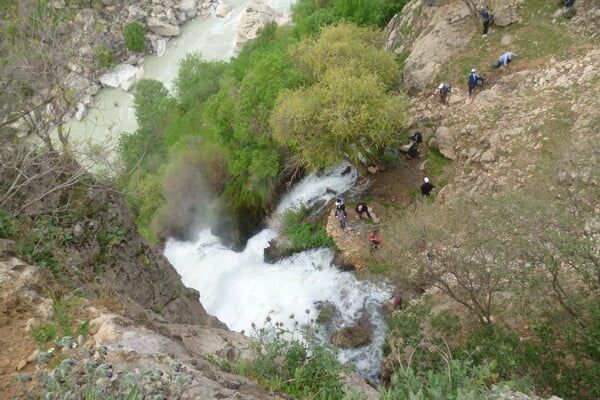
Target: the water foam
(239, 288)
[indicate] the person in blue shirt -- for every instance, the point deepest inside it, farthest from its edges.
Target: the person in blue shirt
(474, 80)
(505, 59)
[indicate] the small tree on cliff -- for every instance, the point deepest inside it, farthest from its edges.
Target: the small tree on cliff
(348, 112)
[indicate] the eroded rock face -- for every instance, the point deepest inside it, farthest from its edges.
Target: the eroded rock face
(430, 35)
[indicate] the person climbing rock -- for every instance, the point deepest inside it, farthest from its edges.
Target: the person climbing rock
(444, 91)
(505, 59)
(426, 187)
(340, 205)
(362, 209)
(484, 13)
(474, 81)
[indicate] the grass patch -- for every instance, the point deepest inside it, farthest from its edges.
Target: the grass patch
(436, 162)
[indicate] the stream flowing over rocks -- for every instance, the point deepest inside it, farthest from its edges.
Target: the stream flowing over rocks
(241, 288)
(217, 30)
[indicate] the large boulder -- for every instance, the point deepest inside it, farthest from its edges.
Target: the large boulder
(353, 336)
(123, 75)
(430, 36)
(254, 17)
(162, 28)
(222, 10)
(188, 7)
(504, 11)
(445, 141)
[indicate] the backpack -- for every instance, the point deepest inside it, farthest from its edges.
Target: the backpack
(473, 79)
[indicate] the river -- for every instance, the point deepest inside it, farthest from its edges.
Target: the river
(112, 112)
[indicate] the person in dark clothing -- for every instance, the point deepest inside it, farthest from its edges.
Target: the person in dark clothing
(474, 81)
(417, 137)
(444, 90)
(426, 187)
(363, 210)
(569, 9)
(485, 18)
(340, 212)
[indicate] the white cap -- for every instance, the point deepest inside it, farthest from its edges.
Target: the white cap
(426, 180)
(473, 70)
(441, 86)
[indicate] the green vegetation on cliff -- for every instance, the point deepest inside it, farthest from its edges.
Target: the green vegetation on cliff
(232, 120)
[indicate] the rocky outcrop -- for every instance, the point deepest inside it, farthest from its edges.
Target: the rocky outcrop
(254, 17)
(430, 36)
(353, 336)
(123, 76)
(445, 141)
(504, 11)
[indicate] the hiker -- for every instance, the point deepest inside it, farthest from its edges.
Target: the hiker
(505, 59)
(485, 18)
(569, 9)
(474, 81)
(416, 137)
(396, 300)
(374, 240)
(412, 147)
(426, 187)
(362, 209)
(444, 90)
(340, 212)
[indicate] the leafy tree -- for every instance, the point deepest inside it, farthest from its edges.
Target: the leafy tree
(152, 103)
(133, 33)
(345, 45)
(197, 79)
(348, 115)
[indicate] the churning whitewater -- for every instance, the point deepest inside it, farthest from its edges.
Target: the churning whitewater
(240, 288)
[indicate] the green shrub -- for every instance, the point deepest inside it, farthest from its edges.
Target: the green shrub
(459, 380)
(304, 235)
(44, 333)
(7, 227)
(105, 58)
(293, 368)
(133, 33)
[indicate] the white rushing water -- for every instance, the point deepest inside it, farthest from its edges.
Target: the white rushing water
(112, 112)
(240, 288)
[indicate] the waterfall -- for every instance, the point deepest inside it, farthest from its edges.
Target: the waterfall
(239, 288)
